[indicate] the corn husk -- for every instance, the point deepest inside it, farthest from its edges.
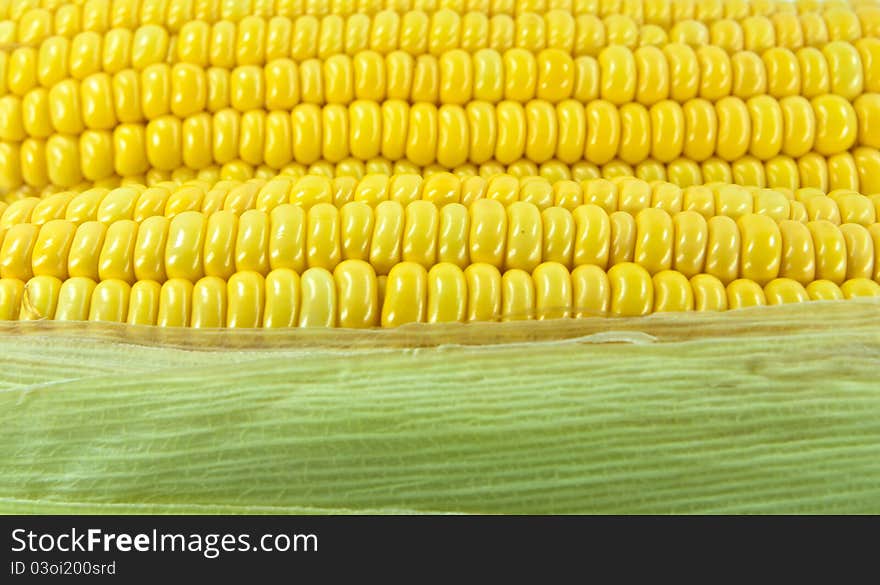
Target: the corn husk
(768, 410)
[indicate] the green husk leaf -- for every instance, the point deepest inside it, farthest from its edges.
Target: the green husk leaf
(767, 410)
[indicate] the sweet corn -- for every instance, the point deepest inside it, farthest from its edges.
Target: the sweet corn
(377, 164)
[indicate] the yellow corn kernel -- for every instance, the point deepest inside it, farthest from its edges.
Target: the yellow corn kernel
(860, 287)
(744, 293)
(836, 124)
(553, 291)
(854, 208)
(74, 299)
(859, 251)
(517, 296)
(691, 237)
(524, 231)
(634, 195)
(39, 299)
(631, 290)
(845, 69)
(83, 259)
(830, 247)
(484, 287)
(761, 253)
(17, 251)
(734, 128)
(715, 73)
(49, 208)
(824, 290)
(282, 299)
(592, 236)
(558, 231)
(209, 303)
(603, 131)
(700, 199)
(672, 292)
(184, 248)
(784, 290)
(322, 236)
(453, 236)
(655, 234)
(405, 298)
(51, 248)
(175, 303)
(245, 300)
(591, 291)
(722, 249)
(709, 293)
(149, 257)
(357, 294)
(487, 232)
(110, 301)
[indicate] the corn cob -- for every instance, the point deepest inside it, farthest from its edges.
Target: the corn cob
(352, 296)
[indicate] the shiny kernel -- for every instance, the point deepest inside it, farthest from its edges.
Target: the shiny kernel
(175, 303)
(860, 287)
(824, 290)
(632, 290)
(16, 251)
(592, 236)
(709, 293)
(761, 253)
(553, 291)
(488, 232)
(783, 290)
(859, 251)
(109, 302)
(672, 292)
(453, 236)
(39, 299)
(74, 299)
(245, 299)
(655, 234)
(744, 293)
(282, 299)
(405, 295)
(830, 247)
(185, 243)
(357, 294)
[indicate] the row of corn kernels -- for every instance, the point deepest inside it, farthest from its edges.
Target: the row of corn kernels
(58, 58)
(352, 296)
(646, 76)
(138, 202)
(256, 41)
(101, 15)
(855, 171)
(190, 244)
(453, 135)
